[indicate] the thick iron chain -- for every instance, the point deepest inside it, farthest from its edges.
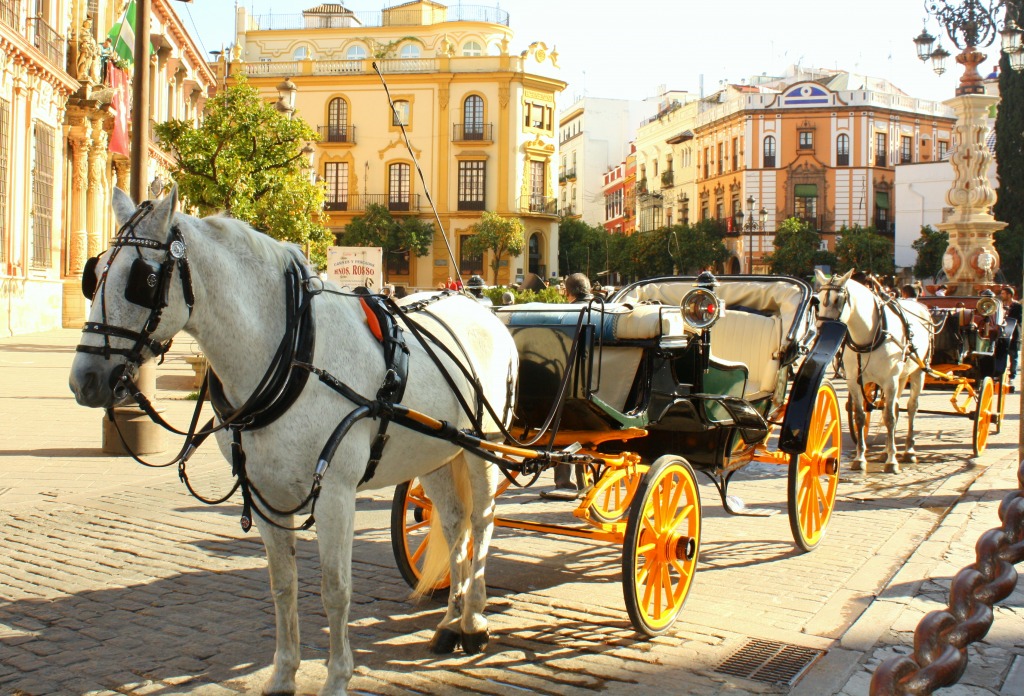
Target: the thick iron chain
(942, 637)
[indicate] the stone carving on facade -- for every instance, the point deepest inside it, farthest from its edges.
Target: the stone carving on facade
(503, 94)
(442, 97)
(88, 54)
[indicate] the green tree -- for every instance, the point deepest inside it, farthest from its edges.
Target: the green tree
(1009, 205)
(930, 247)
(245, 159)
(645, 255)
(698, 246)
(582, 247)
(863, 249)
(797, 250)
(377, 227)
(499, 235)
(1009, 242)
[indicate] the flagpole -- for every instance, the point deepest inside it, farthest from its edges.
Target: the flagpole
(140, 103)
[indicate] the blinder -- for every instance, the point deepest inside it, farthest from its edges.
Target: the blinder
(146, 284)
(89, 279)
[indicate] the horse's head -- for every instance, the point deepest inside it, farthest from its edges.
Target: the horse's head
(141, 296)
(833, 295)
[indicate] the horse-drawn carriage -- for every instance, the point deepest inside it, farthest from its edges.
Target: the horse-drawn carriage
(671, 375)
(942, 342)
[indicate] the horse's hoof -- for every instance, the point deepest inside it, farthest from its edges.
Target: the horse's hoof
(894, 468)
(473, 643)
(857, 465)
(445, 641)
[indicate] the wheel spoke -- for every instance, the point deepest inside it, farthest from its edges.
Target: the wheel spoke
(683, 514)
(416, 555)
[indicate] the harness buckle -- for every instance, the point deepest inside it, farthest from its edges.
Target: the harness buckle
(314, 285)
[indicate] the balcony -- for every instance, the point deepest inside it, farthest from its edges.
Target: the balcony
(408, 204)
(472, 132)
(47, 40)
(843, 159)
(10, 13)
(667, 178)
(330, 204)
(387, 18)
(880, 159)
(567, 211)
(335, 134)
(539, 205)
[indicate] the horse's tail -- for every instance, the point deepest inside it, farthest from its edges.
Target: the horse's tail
(436, 559)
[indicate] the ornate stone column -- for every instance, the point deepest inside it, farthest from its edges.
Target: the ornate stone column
(73, 311)
(123, 173)
(971, 260)
(96, 199)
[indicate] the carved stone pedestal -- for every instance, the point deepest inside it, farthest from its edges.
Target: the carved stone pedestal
(140, 433)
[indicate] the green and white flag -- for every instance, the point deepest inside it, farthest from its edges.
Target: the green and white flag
(122, 36)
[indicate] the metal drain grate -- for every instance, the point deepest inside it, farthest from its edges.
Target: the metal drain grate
(769, 662)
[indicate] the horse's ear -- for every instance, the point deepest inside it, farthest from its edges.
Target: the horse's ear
(163, 209)
(822, 280)
(845, 277)
(124, 207)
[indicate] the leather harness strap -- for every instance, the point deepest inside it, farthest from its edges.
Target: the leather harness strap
(385, 329)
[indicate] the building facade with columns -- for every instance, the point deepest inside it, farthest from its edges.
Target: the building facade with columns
(57, 113)
(816, 145)
(34, 88)
(180, 82)
(480, 121)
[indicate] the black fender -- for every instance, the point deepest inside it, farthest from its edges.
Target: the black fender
(799, 408)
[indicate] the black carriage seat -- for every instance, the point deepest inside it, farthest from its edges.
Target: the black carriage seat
(617, 335)
(760, 321)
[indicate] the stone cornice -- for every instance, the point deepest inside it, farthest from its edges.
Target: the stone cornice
(24, 53)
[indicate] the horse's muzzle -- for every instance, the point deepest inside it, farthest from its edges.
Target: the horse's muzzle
(97, 387)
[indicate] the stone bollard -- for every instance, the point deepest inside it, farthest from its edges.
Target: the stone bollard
(140, 433)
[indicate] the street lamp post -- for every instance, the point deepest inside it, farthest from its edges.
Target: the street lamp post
(748, 224)
(971, 261)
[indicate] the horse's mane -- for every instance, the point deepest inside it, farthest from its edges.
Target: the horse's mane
(248, 243)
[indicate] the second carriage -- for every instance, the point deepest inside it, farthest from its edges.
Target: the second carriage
(672, 375)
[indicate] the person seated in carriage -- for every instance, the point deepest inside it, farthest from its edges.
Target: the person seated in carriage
(577, 291)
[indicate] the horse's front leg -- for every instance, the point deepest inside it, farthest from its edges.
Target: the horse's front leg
(916, 385)
(860, 418)
(892, 409)
(280, 545)
(335, 519)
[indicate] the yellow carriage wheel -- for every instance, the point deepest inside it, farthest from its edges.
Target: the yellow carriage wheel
(983, 416)
(615, 491)
(814, 475)
(411, 516)
(659, 556)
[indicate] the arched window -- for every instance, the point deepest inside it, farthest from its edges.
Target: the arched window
(473, 118)
(472, 48)
(302, 52)
(355, 53)
(337, 121)
(409, 51)
(843, 150)
(769, 152)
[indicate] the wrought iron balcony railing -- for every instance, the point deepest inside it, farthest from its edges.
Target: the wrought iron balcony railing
(394, 203)
(538, 204)
(47, 40)
(472, 131)
(10, 13)
(336, 134)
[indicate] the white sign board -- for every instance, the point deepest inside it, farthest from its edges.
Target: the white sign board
(354, 266)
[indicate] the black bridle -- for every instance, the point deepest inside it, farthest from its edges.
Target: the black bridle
(148, 286)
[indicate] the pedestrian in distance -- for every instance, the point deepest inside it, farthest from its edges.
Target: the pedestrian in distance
(577, 291)
(1012, 311)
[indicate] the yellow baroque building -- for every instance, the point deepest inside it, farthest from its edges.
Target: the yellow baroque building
(480, 122)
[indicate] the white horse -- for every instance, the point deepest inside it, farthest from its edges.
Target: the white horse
(887, 343)
(236, 278)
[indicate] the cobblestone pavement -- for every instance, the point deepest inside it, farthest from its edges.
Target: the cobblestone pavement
(115, 581)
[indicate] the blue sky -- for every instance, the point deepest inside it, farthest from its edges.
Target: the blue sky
(629, 49)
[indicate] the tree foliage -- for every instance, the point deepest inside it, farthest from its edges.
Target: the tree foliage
(1009, 242)
(246, 160)
(930, 247)
(797, 250)
(698, 246)
(582, 248)
(863, 249)
(1009, 205)
(377, 227)
(499, 235)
